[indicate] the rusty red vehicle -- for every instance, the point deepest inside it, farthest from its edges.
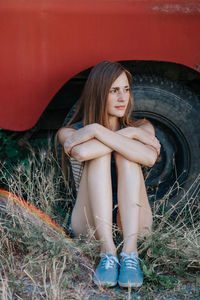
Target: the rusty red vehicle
(48, 47)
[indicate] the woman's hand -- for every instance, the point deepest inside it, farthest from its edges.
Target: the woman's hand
(80, 136)
(147, 138)
(68, 147)
(142, 135)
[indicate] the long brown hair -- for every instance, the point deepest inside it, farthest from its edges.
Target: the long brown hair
(92, 107)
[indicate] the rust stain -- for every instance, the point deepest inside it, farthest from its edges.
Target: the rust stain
(185, 8)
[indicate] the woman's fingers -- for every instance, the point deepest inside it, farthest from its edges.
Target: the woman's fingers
(157, 146)
(151, 141)
(143, 136)
(68, 147)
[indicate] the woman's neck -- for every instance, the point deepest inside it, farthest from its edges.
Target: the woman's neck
(114, 123)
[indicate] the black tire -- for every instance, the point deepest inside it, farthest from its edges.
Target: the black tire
(174, 110)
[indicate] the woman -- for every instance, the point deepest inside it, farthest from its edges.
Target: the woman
(100, 132)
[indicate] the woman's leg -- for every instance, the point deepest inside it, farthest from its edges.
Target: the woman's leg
(94, 203)
(134, 208)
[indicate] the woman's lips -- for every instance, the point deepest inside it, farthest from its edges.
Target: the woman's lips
(121, 107)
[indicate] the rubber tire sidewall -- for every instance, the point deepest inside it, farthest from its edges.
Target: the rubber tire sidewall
(179, 105)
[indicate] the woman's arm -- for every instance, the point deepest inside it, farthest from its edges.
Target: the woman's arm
(94, 148)
(131, 149)
(89, 150)
(72, 136)
(144, 134)
(86, 148)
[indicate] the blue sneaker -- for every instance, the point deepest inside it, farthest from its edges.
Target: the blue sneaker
(130, 273)
(107, 270)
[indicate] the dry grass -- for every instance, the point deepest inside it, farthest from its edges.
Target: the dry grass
(38, 264)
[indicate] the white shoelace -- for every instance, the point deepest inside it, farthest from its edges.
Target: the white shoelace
(108, 261)
(130, 261)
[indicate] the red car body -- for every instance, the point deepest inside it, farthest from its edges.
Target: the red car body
(44, 43)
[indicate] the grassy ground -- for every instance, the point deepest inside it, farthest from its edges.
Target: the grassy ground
(36, 263)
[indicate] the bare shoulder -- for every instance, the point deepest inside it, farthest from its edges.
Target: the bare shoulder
(147, 125)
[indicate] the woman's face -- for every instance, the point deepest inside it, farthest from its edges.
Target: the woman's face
(118, 96)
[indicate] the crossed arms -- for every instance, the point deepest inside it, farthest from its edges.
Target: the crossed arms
(137, 144)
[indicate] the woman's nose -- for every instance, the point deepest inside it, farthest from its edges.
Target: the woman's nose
(121, 96)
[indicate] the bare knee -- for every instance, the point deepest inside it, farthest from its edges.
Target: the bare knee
(99, 162)
(125, 165)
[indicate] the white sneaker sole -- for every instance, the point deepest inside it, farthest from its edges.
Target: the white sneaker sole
(106, 284)
(129, 285)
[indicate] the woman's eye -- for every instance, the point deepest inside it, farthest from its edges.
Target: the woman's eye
(126, 90)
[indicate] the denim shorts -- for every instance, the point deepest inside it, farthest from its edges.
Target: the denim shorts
(114, 192)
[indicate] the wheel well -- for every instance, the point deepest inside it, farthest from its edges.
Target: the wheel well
(172, 71)
(57, 109)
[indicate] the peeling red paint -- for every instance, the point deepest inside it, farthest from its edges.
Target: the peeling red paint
(180, 7)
